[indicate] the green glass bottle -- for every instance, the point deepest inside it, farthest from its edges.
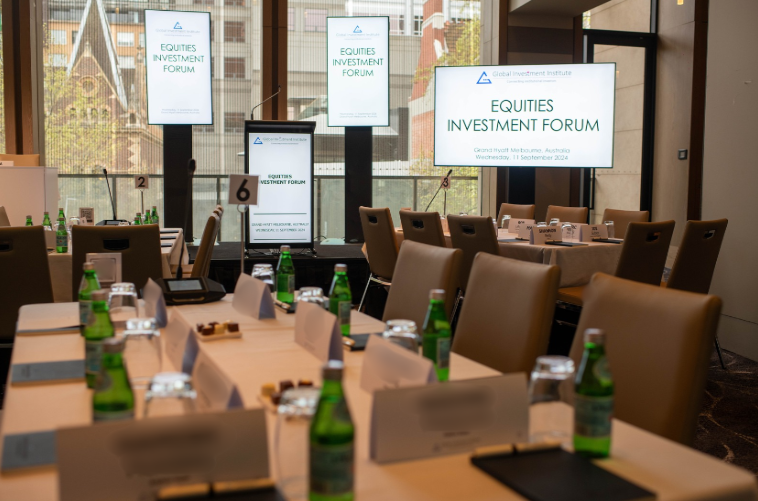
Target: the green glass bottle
(46, 222)
(435, 338)
(593, 399)
(332, 441)
(285, 276)
(61, 215)
(138, 219)
(88, 285)
(341, 298)
(29, 221)
(154, 215)
(113, 398)
(98, 328)
(61, 237)
(146, 218)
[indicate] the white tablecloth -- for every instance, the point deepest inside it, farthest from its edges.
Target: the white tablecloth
(267, 353)
(61, 267)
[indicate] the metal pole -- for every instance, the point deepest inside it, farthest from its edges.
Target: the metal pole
(142, 196)
(242, 237)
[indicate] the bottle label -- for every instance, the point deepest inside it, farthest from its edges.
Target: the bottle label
(85, 307)
(592, 416)
(443, 352)
(344, 312)
(112, 415)
(61, 240)
(93, 353)
(331, 469)
(290, 284)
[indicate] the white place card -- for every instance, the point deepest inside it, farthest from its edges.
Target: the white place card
(155, 303)
(318, 331)
(215, 390)
(388, 365)
(516, 224)
(252, 297)
(37, 318)
(542, 234)
(180, 343)
(450, 418)
(589, 231)
(525, 231)
(134, 459)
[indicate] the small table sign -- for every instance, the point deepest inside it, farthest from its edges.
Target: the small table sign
(318, 331)
(516, 224)
(388, 365)
(252, 297)
(540, 235)
(525, 231)
(180, 343)
(215, 390)
(588, 232)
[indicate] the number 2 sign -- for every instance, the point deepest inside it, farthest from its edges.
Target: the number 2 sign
(243, 189)
(141, 181)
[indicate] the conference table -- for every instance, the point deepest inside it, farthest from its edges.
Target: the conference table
(577, 264)
(61, 267)
(266, 352)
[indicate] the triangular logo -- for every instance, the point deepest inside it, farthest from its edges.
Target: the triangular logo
(177, 26)
(483, 79)
(257, 141)
(357, 29)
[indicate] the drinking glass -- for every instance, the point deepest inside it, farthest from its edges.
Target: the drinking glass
(463, 213)
(291, 440)
(265, 273)
(313, 295)
(568, 231)
(551, 382)
(542, 223)
(611, 229)
(123, 303)
(403, 333)
(555, 221)
(170, 394)
(142, 351)
(505, 221)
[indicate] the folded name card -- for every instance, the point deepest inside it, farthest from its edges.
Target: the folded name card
(516, 224)
(180, 343)
(542, 234)
(318, 331)
(449, 418)
(155, 303)
(587, 232)
(252, 297)
(525, 231)
(388, 365)
(43, 372)
(28, 450)
(215, 390)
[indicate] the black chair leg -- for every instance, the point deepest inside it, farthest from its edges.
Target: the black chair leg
(718, 351)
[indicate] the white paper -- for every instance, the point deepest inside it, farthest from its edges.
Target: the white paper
(589, 231)
(388, 365)
(47, 317)
(542, 234)
(252, 297)
(516, 224)
(525, 231)
(318, 331)
(155, 303)
(215, 390)
(180, 343)
(450, 418)
(108, 267)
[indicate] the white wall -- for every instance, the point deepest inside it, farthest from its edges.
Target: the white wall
(730, 172)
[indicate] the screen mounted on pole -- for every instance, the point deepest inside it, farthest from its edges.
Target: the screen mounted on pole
(559, 115)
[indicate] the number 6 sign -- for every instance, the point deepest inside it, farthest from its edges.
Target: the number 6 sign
(243, 189)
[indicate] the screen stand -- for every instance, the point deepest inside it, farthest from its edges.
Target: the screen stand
(241, 209)
(177, 152)
(358, 179)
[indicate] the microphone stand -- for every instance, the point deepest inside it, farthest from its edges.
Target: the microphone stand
(113, 221)
(438, 190)
(272, 96)
(191, 167)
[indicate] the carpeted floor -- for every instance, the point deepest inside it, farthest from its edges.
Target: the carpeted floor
(728, 423)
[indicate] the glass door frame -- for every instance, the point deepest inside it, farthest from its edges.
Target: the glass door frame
(649, 42)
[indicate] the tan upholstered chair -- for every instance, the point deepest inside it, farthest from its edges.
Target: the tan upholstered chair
(140, 248)
(421, 268)
(567, 214)
(202, 264)
(658, 346)
(381, 246)
(21, 160)
(422, 227)
(642, 259)
(506, 318)
(622, 218)
(24, 275)
(516, 211)
(472, 234)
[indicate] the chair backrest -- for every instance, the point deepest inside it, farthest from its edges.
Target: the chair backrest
(472, 234)
(506, 318)
(567, 214)
(622, 218)
(139, 246)
(644, 252)
(205, 251)
(4, 221)
(381, 246)
(21, 160)
(24, 273)
(516, 211)
(658, 344)
(697, 256)
(422, 227)
(421, 268)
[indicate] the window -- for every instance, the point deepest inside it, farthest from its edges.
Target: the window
(73, 37)
(418, 25)
(58, 60)
(234, 67)
(204, 2)
(397, 24)
(141, 39)
(290, 19)
(234, 122)
(234, 31)
(125, 39)
(58, 37)
(126, 62)
(203, 129)
(315, 20)
(235, 3)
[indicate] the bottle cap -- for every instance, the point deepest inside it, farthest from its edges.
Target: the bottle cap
(28, 217)
(437, 294)
(88, 266)
(155, 206)
(47, 213)
(284, 248)
(60, 209)
(340, 268)
(596, 336)
(139, 213)
(333, 370)
(113, 345)
(101, 295)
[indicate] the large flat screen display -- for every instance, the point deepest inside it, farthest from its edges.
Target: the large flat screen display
(284, 161)
(178, 65)
(358, 71)
(558, 115)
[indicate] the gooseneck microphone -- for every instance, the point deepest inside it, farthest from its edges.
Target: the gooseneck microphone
(110, 193)
(191, 165)
(444, 179)
(252, 112)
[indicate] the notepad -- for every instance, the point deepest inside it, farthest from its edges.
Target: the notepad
(28, 450)
(41, 372)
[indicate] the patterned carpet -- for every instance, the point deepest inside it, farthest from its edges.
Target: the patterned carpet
(728, 423)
